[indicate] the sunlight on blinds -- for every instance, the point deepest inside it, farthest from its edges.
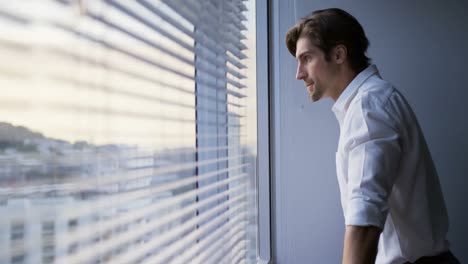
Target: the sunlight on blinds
(128, 131)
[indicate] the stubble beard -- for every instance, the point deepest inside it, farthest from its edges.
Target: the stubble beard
(316, 94)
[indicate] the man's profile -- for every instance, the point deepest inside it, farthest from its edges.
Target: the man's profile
(392, 200)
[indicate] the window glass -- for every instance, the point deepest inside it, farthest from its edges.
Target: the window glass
(127, 131)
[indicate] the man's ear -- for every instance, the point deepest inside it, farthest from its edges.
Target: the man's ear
(340, 54)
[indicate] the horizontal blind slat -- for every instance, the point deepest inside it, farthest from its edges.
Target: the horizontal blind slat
(178, 246)
(150, 211)
(130, 256)
(211, 243)
(186, 9)
(78, 183)
(199, 231)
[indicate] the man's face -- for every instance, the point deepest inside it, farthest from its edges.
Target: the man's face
(313, 69)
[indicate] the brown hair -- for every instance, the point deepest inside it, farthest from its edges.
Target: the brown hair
(328, 28)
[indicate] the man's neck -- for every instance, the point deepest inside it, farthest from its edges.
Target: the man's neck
(345, 76)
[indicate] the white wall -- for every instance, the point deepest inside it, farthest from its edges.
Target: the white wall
(420, 46)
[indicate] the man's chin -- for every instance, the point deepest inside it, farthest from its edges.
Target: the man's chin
(314, 97)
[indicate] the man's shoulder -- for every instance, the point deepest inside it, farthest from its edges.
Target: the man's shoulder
(375, 92)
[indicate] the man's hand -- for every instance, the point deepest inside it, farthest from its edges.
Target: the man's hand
(360, 244)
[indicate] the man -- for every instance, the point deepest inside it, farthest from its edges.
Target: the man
(390, 192)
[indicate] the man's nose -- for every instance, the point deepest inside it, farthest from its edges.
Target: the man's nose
(300, 74)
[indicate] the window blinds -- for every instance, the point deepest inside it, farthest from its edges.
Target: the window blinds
(123, 132)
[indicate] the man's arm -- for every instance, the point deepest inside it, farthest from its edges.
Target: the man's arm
(360, 244)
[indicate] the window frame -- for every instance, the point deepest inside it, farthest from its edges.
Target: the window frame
(263, 133)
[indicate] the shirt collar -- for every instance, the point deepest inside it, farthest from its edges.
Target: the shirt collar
(341, 105)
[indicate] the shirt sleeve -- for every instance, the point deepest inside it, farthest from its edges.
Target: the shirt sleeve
(372, 142)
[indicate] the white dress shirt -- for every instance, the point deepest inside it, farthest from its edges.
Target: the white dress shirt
(385, 172)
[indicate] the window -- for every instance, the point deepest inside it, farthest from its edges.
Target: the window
(128, 131)
(17, 231)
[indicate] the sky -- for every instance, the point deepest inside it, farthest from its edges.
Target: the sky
(51, 83)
